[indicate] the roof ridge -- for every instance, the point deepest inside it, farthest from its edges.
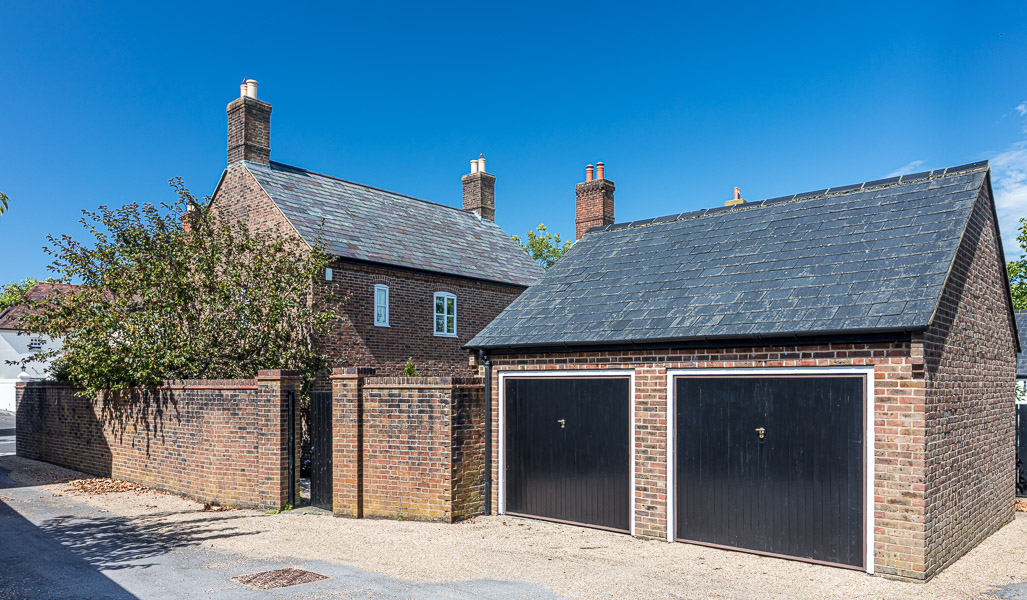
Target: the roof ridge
(822, 193)
(364, 185)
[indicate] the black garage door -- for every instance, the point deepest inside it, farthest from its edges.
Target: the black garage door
(566, 450)
(773, 465)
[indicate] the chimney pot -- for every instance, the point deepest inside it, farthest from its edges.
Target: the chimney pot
(588, 172)
(737, 198)
(600, 170)
(474, 165)
(251, 88)
(481, 162)
(242, 89)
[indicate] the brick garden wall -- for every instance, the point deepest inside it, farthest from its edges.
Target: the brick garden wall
(214, 441)
(899, 491)
(407, 447)
(970, 413)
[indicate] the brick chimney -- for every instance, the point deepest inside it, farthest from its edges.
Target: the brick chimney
(249, 126)
(594, 206)
(480, 190)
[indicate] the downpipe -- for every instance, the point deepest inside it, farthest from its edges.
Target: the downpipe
(487, 362)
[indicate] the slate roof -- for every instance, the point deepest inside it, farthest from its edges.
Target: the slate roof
(369, 224)
(1021, 357)
(857, 259)
(10, 317)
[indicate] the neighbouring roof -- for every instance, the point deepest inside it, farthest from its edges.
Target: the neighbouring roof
(11, 317)
(1021, 357)
(857, 259)
(368, 224)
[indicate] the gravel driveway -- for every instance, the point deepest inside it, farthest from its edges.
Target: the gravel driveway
(543, 557)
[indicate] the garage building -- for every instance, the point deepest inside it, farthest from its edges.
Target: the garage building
(826, 376)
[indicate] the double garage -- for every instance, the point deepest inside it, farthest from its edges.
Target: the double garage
(772, 461)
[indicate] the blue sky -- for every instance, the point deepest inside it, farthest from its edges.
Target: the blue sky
(102, 104)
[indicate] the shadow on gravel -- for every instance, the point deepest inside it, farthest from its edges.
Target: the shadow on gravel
(111, 542)
(48, 476)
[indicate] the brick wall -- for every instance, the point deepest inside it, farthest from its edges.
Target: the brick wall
(407, 447)
(970, 413)
(357, 341)
(899, 427)
(214, 441)
(593, 206)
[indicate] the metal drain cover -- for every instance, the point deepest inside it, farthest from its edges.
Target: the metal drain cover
(269, 580)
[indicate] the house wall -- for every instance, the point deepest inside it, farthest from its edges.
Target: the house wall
(222, 442)
(899, 426)
(407, 447)
(970, 413)
(14, 346)
(356, 341)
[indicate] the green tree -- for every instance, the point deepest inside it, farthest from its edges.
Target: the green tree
(3, 203)
(543, 247)
(178, 291)
(1017, 270)
(14, 292)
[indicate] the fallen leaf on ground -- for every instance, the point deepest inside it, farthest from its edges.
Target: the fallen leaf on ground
(104, 485)
(1021, 504)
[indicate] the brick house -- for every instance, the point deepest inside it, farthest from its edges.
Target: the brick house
(825, 376)
(421, 278)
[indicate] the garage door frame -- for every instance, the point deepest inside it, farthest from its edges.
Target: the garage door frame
(868, 418)
(573, 373)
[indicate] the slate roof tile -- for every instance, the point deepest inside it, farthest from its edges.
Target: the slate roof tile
(855, 259)
(365, 223)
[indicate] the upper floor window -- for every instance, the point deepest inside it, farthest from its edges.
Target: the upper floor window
(381, 305)
(445, 314)
(36, 344)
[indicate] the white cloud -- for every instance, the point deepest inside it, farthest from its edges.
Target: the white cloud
(907, 169)
(1009, 181)
(1022, 108)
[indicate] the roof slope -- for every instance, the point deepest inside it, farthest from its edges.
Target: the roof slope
(369, 224)
(863, 258)
(10, 318)
(1021, 357)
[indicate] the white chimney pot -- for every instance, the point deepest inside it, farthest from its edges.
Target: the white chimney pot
(251, 88)
(474, 165)
(481, 164)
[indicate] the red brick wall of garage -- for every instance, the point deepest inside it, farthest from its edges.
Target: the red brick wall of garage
(970, 412)
(899, 400)
(220, 441)
(356, 341)
(407, 447)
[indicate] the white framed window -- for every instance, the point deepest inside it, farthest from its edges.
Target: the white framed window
(381, 305)
(36, 344)
(445, 314)
(328, 274)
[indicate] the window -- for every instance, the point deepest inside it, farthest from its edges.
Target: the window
(328, 274)
(36, 344)
(381, 305)
(445, 314)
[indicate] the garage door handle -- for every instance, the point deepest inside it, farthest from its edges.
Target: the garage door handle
(562, 422)
(761, 431)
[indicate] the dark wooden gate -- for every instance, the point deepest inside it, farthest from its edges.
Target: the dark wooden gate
(567, 450)
(773, 465)
(1021, 449)
(321, 449)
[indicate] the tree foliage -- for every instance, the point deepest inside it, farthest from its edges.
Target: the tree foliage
(1017, 270)
(14, 292)
(3, 203)
(161, 301)
(543, 247)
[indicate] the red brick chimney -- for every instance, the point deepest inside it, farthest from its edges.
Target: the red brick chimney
(249, 126)
(594, 206)
(480, 190)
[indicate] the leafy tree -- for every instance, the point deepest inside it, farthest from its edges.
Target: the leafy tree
(3, 203)
(410, 369)
(1017, 270)
(179, 291)
(543, 247)
(14, 292)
